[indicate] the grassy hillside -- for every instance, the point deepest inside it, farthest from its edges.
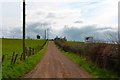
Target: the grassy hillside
(21, 67)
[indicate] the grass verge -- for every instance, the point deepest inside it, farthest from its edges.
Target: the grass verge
(19, 70)
(89, 66)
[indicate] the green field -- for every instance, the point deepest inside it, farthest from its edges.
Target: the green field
(21, 67)
(15, 45)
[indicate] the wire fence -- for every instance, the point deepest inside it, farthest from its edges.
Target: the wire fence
(20, 57)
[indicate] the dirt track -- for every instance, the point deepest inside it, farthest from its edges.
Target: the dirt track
(55, 65)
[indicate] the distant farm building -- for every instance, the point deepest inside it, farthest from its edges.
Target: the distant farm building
(89, 39)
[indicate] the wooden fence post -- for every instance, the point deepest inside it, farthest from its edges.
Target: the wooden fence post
(15, 58)
(26, 51)
(32, 51)
(29, 51)
(21, 56)
(3, 57)
(12, 57)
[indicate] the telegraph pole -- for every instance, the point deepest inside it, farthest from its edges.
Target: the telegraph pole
(24, 29)
(45, 34)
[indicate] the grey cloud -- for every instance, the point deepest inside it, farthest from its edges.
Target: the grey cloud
(42, 24)
(37, 28)
(105, 28)
(78, 22)
(79, 34)
(50, 15)
(97, 2)
(84, 4)
(39, 13)
(72, 33)
(32, 30)
(11, 32)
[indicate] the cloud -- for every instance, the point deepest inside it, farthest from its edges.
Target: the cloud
(69, 13)
(10, 14)
(58, 1)
(72, 33)
(37, 28)
(79, 34)
(98, 12)
(78, 22)
(13, 32)
(56, 14)
(32, 30)
(50, 15)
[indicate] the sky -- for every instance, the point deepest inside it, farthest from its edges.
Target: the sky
(79, 18)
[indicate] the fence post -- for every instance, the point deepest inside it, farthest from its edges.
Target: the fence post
(3, 57)
(26, 51)
(21, 56)
(12, 57)
(33, 51)
(29, 51)
(15, 58)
